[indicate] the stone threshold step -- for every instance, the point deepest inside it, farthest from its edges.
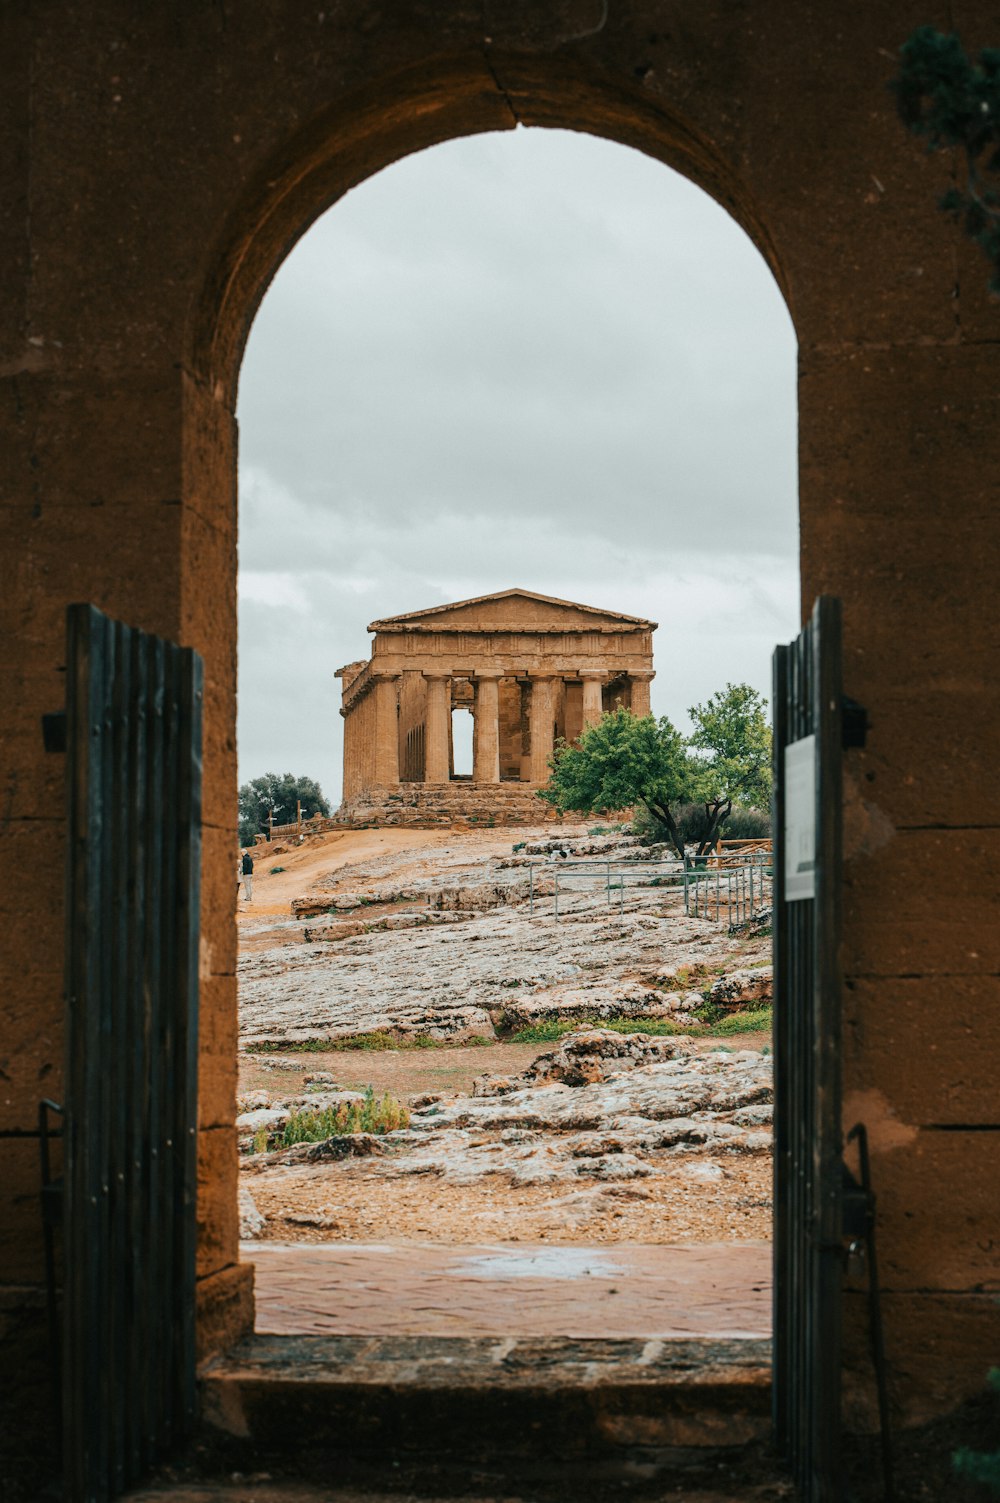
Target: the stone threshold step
(261, 1489)
(525, 1406)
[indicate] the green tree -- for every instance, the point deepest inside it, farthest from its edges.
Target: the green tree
(953, 103)
(622, 760)
(731, 742)
(281, 793)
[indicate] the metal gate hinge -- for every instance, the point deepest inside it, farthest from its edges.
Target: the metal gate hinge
(854, 722)
(54, 731)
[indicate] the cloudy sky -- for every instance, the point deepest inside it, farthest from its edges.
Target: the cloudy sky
(531, 358)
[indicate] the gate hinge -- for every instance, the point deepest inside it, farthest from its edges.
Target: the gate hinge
(854, 722)
(54, 731)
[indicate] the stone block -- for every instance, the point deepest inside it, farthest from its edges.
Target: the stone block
(217, 1052)
(927, 903)
(927, 1044)
(939, 1348)
(223, 1308)
(20, 1210)
(220, 850)
(218, 1220)
(32, 1023)
(941, 1241)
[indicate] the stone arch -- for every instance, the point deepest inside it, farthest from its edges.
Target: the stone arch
(316, 165)
(414, 110)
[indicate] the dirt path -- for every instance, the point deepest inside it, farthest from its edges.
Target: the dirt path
(409, 1073)
(317, 855)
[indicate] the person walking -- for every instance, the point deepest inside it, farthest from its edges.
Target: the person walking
(247, 868)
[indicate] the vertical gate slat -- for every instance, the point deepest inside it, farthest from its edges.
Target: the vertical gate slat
(807, 1166)
(186, 1120)
(165, 1290)
(134, 1047)
(153, 1273)
(782, 1182)
(134, 807)
(115, 1076)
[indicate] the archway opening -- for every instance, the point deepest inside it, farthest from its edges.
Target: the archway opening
(615, 431)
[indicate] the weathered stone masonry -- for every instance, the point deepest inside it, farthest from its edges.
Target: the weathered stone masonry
(136, 241)
(532, 668)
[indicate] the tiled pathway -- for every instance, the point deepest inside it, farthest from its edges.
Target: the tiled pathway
(691, 1289)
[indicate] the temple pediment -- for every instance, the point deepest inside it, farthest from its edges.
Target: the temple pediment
(512, 610)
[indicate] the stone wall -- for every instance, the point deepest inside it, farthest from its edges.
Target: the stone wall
(136, 240)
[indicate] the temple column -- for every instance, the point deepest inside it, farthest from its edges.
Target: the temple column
(486, 746)
(638, 690)
(593, 706)
(541, 728)
(437, 721)
(386, 692)
(352, 771)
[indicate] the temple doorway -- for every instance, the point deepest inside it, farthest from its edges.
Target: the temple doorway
(461, 742)
(609, 433)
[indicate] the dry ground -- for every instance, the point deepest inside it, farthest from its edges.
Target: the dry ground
(728, 1197)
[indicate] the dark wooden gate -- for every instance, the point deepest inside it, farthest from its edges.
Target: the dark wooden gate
(808, 1250)
(133, 730)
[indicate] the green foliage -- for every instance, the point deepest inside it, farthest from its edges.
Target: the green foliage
(693, 822)
(706, 1020)
(731, 743)
(370, 1042)
(751, 1021)
(377, 1114)
(626, 759)
(280, 792)
(545, 1032)
(549, 1030)
(622, 760)
(981, 1466)
(951, 102)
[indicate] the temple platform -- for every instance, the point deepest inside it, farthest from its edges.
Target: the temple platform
(431, 805)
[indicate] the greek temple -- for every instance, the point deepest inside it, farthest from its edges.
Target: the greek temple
(531, 668)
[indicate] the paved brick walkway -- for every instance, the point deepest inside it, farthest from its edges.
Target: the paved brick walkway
(385, 1289)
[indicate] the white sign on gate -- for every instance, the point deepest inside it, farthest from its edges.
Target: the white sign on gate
(800, 819)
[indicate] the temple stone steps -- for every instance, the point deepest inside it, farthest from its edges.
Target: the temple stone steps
(568, 1414)
(426, 805)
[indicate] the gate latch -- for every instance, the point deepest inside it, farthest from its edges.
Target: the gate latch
(857, 1218)
(54, 731)
(854, 723)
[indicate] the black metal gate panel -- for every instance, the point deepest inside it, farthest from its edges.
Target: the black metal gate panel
(808, 1255)
(133, 730)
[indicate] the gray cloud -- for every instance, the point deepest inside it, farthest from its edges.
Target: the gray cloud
(533, 358)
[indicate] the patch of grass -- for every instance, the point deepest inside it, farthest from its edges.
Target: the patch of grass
(378, 1114)
(376, 1041)
(477, 1041)
(550, 1030)
(655, 1026)
(751, 1021)
(545, 1032)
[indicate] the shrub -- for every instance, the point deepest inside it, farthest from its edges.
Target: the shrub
(378, 1114)
(692, 824)
(751, 1021)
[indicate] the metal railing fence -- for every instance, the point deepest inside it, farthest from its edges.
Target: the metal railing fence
(732, 892)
